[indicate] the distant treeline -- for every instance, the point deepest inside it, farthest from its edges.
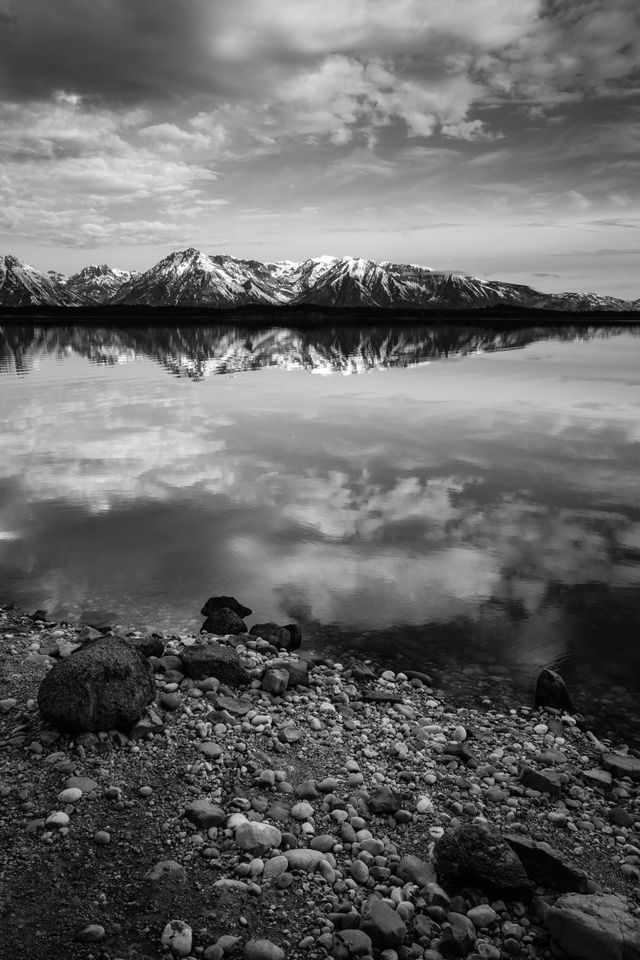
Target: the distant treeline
(310, 315)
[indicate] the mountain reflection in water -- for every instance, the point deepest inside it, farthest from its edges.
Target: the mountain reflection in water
(482, 516)
(199, 351)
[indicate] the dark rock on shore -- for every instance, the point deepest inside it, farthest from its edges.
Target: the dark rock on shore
(230, 603)
(548, 867)
(222, 622)
(382, 924)
(214, 660)
(288, 637)
(476, 855)
(551, 691)
(103, 686)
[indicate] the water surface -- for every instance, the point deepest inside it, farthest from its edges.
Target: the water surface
(471, 498)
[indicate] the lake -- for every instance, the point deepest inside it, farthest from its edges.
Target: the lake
(454, 498)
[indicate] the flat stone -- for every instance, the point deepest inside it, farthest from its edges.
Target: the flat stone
(599, 778)
(205, 814)
(622, 765)
(214, 660)
(548, 867)
(544, 781)
(304, 859)
(85, 784)
(233, 705)
(594, 926)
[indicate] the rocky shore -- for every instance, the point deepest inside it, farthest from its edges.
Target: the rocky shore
(244, 802)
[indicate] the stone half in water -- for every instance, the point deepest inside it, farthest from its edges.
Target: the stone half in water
(218, 603)
(551, 691)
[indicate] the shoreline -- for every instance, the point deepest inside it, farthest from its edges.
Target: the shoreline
(357, 772)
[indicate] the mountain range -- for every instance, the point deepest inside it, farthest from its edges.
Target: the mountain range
(190, 278)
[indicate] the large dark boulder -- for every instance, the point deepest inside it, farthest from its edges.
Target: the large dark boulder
(218, 603)
(223, 622)
(288, 637)
(476, 855)
(105, 685)
(551, 691)
(214, 660)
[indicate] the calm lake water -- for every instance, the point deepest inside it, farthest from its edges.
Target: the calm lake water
(466, 498)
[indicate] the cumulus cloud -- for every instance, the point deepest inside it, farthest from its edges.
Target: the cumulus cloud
(274, 94)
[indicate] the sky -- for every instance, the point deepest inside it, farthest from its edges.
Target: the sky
(492, 137)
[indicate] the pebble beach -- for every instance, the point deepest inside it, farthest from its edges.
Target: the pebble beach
(297, 807)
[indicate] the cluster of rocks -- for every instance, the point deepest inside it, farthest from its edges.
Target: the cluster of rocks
(371, 817)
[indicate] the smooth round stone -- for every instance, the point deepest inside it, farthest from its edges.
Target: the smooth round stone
(57, 820)
(177, 937)
(92, 933)
(359, 871)
(459, 734)
(262, 950)
(302, 811)
(102, 838)
(72, 795)
(325, 842)
(482, 916)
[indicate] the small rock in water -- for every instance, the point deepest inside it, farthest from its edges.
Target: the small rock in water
(551, 691)
(230, 603)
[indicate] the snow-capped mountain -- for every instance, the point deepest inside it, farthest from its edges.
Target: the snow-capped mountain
(21, 285)
(189, 277)
(98, 283)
